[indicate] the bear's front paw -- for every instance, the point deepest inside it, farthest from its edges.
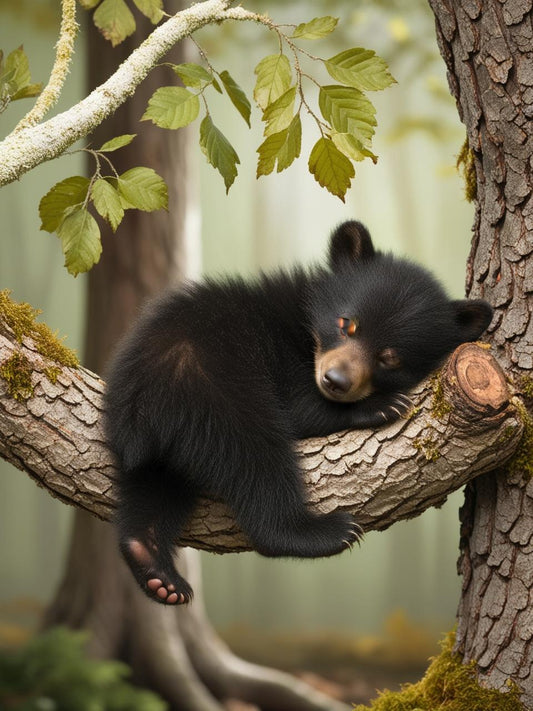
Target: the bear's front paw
(379, 410)
(398, 406)
(312, 536)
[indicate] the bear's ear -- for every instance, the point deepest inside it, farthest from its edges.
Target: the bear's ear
(351, 242)
(473, 316)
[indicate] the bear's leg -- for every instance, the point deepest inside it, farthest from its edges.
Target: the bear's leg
(150, 519)
(269, 504)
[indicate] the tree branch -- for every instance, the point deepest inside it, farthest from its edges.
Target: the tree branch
(64, 52)
(463, 424)
(26, 148)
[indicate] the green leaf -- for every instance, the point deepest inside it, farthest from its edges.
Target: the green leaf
(330, 167)
(348, 111)
(106, 200)
(193, 75)
(360, 68)
(18, 67)
(172, 107)
(279, 114)
(80, 240)
(15, 77)
(62, 196)
(152, 9)
(315, 29)
(268, 152)
(143, 188)
(237, 96)
(292, 146)
(115, 20)
(273, 79)
(88, 4)
(219, 151)
(117, 142)
(351, 147)
(282, 147)
(27, 91)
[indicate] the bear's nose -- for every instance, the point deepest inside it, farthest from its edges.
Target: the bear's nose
(336, 381)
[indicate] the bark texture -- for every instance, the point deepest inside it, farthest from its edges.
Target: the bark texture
(487, 47)
(381, 476)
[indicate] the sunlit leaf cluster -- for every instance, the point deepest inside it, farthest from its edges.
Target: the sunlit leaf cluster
(15, 78)
(65, 209)
(175, 107)
(116, 21)
(346, 121)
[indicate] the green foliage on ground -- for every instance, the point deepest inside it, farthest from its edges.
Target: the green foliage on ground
(53, 673)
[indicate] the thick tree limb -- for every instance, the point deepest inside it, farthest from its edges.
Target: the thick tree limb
(455, 434)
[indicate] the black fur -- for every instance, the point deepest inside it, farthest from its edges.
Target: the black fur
(215, 381)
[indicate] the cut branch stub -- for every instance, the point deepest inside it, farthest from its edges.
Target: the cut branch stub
(480, 381)
(462, 425)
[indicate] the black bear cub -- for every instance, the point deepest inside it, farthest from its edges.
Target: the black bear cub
(216, 380)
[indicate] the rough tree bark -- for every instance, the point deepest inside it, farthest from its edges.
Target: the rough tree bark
(487, 47)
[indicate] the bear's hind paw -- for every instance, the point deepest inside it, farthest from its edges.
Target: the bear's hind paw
(162, 583)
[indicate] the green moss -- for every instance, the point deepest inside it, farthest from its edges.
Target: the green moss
(521, 463)
(448, 685)
(526, 385)
(52, 373)
(440, 407)
(465, 164)
(20, 318)
(427, 446)
(16, 371)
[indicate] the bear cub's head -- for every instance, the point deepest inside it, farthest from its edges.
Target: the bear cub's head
(381, 324)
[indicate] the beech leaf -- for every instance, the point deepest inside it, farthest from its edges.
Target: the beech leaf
(316, 29)
(193, 75)
(172, 107)
(331, 168)
(143, 189)
(273, 79)
(279, 114)
(106, 200)
(219, 151)
(237, 96)
(348, 111)
(152, 9)
(360, 68)
(61, 197)
(115, 20)
(80, 240)
(118, 142)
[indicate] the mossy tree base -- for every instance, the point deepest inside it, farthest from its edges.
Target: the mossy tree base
(448, 685)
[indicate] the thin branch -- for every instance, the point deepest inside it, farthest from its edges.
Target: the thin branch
(64, 53)
(26, 148)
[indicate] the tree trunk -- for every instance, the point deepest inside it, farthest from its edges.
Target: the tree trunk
(166, 651)
(487, 49)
